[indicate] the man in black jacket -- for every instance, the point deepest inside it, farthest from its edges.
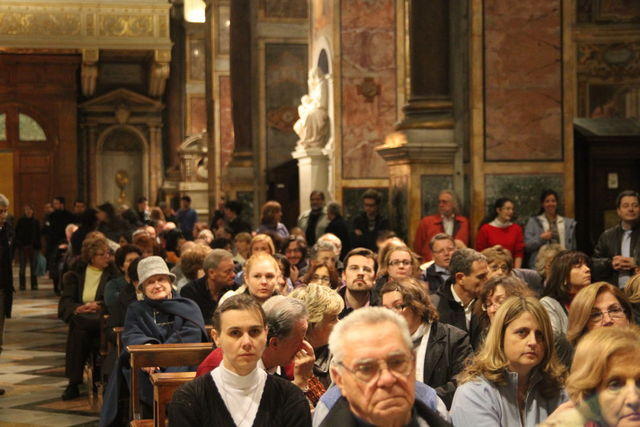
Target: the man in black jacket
(218, 278)
(437, 273)
(232, 210)
(6, 274)
(339, 227)
(455, 300)
(54, 232)
(369, 223)
(617, 253)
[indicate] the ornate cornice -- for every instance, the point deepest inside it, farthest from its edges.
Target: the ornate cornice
(114, 24)
(613, 61)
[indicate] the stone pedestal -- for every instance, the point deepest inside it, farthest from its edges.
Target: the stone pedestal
(313, 167)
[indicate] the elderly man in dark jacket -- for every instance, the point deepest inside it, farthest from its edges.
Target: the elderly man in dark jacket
(6, 276)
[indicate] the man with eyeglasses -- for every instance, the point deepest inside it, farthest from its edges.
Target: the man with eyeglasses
(447, 221)
(617, 253)
(358, 276)
(437, 271)
(374, 370)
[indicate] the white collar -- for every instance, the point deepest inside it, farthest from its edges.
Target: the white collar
(239, 382)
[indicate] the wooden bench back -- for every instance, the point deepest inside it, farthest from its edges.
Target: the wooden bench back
(164, 385)
(163, 356)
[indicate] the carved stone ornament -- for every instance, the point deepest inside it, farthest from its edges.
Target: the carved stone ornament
(122, 114)
(369, 89)
(313, 125)
(609, 61)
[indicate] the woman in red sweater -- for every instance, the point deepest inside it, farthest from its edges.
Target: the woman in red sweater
(499, 230)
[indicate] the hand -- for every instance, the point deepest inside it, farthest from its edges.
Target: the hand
(303, 365)
(547, 235)
(616, 262)
(294, 273)
(627, 263)
(358, 232)
(93, 306)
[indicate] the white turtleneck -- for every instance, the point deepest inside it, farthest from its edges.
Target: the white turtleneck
(241, 394)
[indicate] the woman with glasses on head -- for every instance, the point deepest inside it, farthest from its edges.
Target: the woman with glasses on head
(322, 274)
(598, 305)
(516, 378)
(440, 349)
(81, 305)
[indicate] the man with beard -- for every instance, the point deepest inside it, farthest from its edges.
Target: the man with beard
(358, 275)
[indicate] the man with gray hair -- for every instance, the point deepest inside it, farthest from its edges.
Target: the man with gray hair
(455, 300)
(374, 370)
(286, 348)
(219, 272)
(6, 273)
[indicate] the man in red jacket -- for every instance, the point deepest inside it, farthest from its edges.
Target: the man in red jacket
(445, 221)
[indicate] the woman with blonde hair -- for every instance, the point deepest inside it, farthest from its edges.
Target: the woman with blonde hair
(323, 306)
(604, 381)
(632, 291)
(270, 219)
(598, 305)
(516, 378)
(261, 273)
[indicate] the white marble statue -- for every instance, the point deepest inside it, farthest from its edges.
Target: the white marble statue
(313, 125)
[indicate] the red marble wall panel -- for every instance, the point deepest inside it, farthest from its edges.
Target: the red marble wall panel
(197, 115)
(226, 121)
(368, 84)
(523, 80)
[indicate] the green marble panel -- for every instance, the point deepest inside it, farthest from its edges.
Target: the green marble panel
(524, 190)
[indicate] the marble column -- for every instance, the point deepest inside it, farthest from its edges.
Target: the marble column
(424, 142)
(155, 162)
(313, 169)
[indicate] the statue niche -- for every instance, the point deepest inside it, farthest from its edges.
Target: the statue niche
(313, 125)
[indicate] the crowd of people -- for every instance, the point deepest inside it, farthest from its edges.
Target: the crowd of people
(343, 323)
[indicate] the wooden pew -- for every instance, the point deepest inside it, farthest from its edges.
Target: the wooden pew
(164, 385)
(163, 356)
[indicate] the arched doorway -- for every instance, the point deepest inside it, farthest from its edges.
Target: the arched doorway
(122, 171)
(25, 158)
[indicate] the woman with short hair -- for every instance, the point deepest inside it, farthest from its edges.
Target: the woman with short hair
(270, 218)
(598, 305)
(516, 378)
(238, 392)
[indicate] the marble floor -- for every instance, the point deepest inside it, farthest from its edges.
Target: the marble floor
(32, 366)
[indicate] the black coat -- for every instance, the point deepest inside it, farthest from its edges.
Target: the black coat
(609, 245)
(198, 403)
(198, 292)
(433, 278)
(340, 228)
(28, 232)
(452, 313)
(6, 271)
(368, 237)
(58, 221)
(447, 349)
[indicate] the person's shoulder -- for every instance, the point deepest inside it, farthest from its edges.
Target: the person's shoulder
(454, 332)
(194, 388)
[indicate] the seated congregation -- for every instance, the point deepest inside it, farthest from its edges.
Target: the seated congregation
(334, 324)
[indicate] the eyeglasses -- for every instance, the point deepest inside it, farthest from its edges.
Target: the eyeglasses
(325, 279)
(369, 370)
(399, 262)
(615, 312)
(397, 308)
(494, 305)
(495, 267)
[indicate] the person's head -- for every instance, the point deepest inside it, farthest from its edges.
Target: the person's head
(410, 299)
(4, 208)
(359, 270)
(544, 258)
(494, 292)
(605, 374)
(96, 252)
(499, 261)
(316, 200)
(323, 307)
(242, 241)
(28, 211)
(469, 271)
(632, 289)
(504, 209)
(400, 262)
(335, 240)
(173, 240)
(324, 274)
(144, 242)
(373, 365)
(240, 330)
(68, 230)
(106, 212)
(261, 273)
(323, 252)
(271, 213)
(192, 261)
(442, 247)
(206, 235)
(142, 204)
(569, 273)
(519, 340)
(125, 254)
(232, 209)
(371, 200)
(447, 203)
(79, 206)
(220, 243)
(58, 203)
(595, 306)
(628, 206)
(185, 202)
(261, 243)
(287, 324)
(334, 210)
(386, 245)
(295, 249)
(219, 268)
(155, 278)
(549, 203)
